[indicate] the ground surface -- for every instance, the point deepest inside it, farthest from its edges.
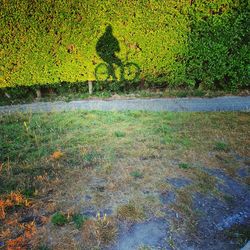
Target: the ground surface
(124, 180)
(226, 103)
(72, 93)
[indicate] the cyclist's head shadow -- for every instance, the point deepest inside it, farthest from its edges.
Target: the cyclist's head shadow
(107, 46)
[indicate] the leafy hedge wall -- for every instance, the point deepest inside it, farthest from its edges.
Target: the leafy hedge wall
(192, 42)
(218, 54)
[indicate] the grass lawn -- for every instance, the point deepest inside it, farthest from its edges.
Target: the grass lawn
(69, 180)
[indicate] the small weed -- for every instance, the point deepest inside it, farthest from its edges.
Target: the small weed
(91, 157)
(168, 139)
(164, 129)
(59, 219)
(184, 165)
(221, 146)
(130, 212)
(171, 243)
(43, 247)
(120, 134)
(105, 229)
(136, 175)
(101, 231)
(79, 220)
(29, 192)
(185, 142)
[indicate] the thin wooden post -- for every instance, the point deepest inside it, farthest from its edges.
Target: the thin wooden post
(90, 87)
(38, 93)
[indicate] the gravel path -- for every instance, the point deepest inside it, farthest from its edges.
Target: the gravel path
(226, 103)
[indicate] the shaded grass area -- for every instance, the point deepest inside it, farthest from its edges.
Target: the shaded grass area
(118, 160)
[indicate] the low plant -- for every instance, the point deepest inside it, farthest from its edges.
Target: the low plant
(136, 174)
(120, 134)
(221, 146)
(79, 220)
(43, 247)
(59, 219)
(29, 192)
(184, 165)
(91, 157)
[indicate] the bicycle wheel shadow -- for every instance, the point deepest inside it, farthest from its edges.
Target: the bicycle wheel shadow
(106, 48)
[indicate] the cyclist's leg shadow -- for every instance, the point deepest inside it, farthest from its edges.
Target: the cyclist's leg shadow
(112, 72)
(116, 61)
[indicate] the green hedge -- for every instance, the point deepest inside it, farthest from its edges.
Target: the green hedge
(218, 54)
(178, 42)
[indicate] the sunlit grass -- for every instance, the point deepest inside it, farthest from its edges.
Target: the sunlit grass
(92, 138)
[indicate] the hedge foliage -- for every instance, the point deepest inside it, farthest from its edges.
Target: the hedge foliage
(178, 42)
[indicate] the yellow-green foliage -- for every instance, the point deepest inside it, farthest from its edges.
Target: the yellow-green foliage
(53, 41)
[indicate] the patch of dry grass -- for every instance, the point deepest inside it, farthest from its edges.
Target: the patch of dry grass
(100, 231)
(184, 208)
(130, 212)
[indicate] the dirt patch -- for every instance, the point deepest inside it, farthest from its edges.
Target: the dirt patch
(150, 233)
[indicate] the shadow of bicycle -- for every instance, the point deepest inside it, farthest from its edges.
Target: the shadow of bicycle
(127, 72)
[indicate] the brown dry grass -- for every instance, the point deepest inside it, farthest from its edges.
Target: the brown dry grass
(130, 212)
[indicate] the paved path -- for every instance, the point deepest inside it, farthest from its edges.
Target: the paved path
(226, 103)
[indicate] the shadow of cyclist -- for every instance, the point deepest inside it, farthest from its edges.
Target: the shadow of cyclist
(106, 47)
